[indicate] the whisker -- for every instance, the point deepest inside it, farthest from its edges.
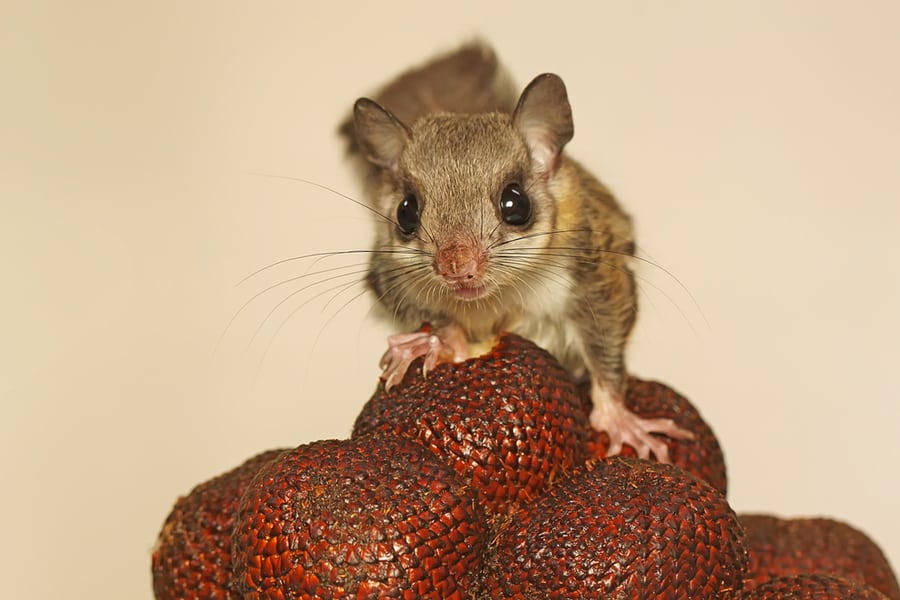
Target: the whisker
(294, 311)
(427, 233)
(538, 259)
(542, 279)
(329, 320)
(321, 255)
(537, 234)
(299, 291)
(372, 210)
(639, 253)
(407, 285)
(340, 309)
(398, 273)
(385, 250)
(327, 189)
(246, 304)
(637, 257)
(330, 300)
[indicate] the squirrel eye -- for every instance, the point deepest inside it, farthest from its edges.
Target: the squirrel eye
(515, 207)
(408, 214)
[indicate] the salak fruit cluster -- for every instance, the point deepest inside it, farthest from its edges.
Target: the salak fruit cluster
(484, 480)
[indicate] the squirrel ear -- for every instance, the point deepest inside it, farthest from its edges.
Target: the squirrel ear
(380, 134)
(544, 117)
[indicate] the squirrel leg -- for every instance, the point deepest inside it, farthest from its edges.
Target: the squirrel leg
(610, 414)
(442, 345)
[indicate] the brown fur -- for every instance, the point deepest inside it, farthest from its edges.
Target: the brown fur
(562, 280)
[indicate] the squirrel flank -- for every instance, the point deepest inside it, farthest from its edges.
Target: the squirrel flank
(489, 226)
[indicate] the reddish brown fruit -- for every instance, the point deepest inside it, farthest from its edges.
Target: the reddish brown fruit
(509, 421)
(813, 587)
(620, 528)
(780, 547)
(701, 456)
(371, 517)
(192, 558)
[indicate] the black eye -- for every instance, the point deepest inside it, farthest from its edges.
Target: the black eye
(408, 214)
(515, 207)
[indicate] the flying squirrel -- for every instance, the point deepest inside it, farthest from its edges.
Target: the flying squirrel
(488, 226)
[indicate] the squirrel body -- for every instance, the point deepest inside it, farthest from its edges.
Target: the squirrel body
(489, 226)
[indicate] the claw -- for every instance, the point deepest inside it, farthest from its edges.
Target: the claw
(624, 427)
(446, 344)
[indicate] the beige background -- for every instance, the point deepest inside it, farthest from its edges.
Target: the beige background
(755, 143)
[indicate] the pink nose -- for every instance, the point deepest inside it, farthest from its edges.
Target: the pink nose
(457, 262)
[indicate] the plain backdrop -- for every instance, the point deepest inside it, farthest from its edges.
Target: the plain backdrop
(756, 144)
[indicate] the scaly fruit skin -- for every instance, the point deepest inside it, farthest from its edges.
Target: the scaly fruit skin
(780, 547)
(701, 456)
(372, 517)
(620, 528)
(192, 557)
(813, 587)
(510, 421)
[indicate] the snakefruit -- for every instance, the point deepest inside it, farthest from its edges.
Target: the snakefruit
(701, 456)
(510, 421)
(620, 528)
(372, 517)
(192, 557)
(782, 547)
